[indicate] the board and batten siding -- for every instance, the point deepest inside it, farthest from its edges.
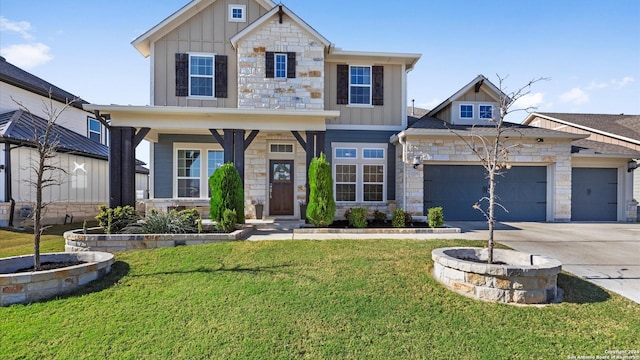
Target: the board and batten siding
(471, 96)
(389, 114)
(208, 31)
(77, 185)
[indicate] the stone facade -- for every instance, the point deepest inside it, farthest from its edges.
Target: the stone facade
(304, 92)
(55, 213)
(556, 155)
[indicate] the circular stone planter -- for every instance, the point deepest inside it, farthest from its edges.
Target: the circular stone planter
(524, 279)
(27, 287)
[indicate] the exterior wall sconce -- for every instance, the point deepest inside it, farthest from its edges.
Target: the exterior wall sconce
(540, 140)
(631, 165)
(417, 160)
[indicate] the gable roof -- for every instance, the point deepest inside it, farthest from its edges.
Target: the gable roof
(277, 9)
(623, 127)
(590, 147)
(15, 76)
(143, 42)
(480, 79)
(18, 126)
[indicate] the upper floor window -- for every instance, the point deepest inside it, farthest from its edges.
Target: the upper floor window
(94, 129)
(201, 75)
(486, 112)
(237, 13)
(360, 85)
(466, 111)
(280, 70)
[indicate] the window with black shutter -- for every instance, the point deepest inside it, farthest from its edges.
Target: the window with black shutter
(221, 76)
(378, 85)
(269, 63)
(182, 74)
(280, 65)
(201, 75)
(343, 85)
(291, 65)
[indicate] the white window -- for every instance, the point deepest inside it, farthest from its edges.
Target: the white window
(360, 173)
(485, 112)
(280, 66)
(237, 13)
(201, 75)
(194, 164)
(360, 85)
(466, 111)
(94, 129)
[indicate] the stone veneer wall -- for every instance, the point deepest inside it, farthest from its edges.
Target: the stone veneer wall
(450, 150)
(54, 213)
(304, 92)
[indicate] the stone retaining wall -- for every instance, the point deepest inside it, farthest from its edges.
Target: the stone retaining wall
(526, 279)
(33, 286)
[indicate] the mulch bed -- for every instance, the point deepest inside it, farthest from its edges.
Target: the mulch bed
(51, 266)
(344, 224)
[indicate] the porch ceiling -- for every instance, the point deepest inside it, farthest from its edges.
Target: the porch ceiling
(196, 120)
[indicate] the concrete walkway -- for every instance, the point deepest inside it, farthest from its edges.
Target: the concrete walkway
(606, 254)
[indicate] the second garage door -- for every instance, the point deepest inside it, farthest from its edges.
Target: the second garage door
(522, 191)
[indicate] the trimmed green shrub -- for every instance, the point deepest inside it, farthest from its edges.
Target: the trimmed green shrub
(228, 222)
(358, 218)
(322, 207)
(379, 216)
(435, 217)
(226, 193)
(113, 221)
(399, 218)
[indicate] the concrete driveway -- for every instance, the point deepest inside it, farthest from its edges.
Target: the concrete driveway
(607, 254)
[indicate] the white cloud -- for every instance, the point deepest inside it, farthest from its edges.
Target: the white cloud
(27, 56)
(576, 96)
(531, 100)
(596, 85)
(624, 82)
(20, 27)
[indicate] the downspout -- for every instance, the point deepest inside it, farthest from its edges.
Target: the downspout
(7, 181)
(403, 142)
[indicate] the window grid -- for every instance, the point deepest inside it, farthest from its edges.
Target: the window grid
(201, 75)
(346, 153)
(346, 180)
(486, 111)
(373, 183)
(360, 85)
(359, 178)
(466, 111)
(95, 130)
(281, 148)
(280, 63)
(189, 173)
(373, 153)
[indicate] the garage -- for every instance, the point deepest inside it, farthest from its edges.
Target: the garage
(594, 194)
(522, 191)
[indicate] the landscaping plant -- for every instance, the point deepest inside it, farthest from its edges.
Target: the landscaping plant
(114, 220)
(226, 193)
(358, 217)
(379, 216)
(322, 207)
(228, 222)
(172, 222)
(435, 217)
(399, 218)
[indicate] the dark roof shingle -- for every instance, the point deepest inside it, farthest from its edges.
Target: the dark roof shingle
(622, 125)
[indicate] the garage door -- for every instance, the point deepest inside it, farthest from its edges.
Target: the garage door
(522, 191)
(594, 194)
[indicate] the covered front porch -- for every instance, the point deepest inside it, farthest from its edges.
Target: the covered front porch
(271, 150)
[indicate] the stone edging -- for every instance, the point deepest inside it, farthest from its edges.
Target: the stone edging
(33, 286)
(312, 230)
(75, 240)
(525, 279)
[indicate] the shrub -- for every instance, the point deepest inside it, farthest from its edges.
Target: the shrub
(226, 193)
(172, 222)
(435, 217)
(358, 218)
(379, 216)
(399, 218)
(322, 207)
(228, 222)
(114, 220)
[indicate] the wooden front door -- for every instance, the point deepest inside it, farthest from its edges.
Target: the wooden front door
(281, 186)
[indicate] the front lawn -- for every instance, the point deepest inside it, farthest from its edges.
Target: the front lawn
(306, 299)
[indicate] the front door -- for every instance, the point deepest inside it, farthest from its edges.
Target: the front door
(281, 187)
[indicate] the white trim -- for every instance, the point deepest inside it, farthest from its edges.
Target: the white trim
(370, 104)
(466, 88)
(204, 149)
(152, 93)
(152, 171)
(405, 95)
(480, 112)
(460, 117)
(342, 56)
(278, 153)
(242, 8)
(275, 65)
(212, 76)
(89, 131)
(359, 161)
(365, 127)
(345, 147)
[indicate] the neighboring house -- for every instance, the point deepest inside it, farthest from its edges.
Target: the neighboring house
(537, 187)
(82, 151)
(249, 82)
(602, 163)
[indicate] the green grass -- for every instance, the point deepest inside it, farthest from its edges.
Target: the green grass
(306, 299)
(20, 242)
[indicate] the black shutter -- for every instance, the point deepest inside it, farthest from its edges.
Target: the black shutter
(182, 74)
(378, 85)
(291, 65)
(221, 76)
(343, 85)
(269, 63)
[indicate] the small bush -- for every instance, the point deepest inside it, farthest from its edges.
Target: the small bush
(226, 193)
(435, 217)
(172, 222)
(113, 221)
(399, 218)
(358, 218)
(228, 222)
(379, 216)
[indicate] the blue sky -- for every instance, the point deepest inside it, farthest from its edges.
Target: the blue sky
(590, 49)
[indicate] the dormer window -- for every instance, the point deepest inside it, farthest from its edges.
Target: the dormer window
(486, 112)
(466, 111)
(237, 13)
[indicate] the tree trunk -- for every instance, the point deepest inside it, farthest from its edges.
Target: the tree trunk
(492, 188)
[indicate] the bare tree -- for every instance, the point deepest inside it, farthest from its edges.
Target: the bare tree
(493, 150)
(43, 165)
